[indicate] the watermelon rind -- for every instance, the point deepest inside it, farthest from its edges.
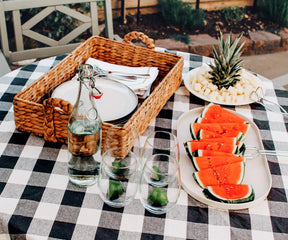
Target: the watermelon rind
(235, 149)
(197, 179)
(206, 109)
(197, 153)
(240, 148)
(194, 163)
(244, 135)
(188, 150)
(199, 134)
(243, 172)
(210, 194)
(198, 119)
(193, 134)
(240, 136)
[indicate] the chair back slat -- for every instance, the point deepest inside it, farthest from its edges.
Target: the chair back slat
(51, 46)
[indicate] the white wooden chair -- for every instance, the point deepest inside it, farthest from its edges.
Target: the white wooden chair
(54, 47)
(4, 66)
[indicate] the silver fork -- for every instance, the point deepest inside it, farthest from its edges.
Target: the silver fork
(99, 72)
(251, 152)
(258, 97)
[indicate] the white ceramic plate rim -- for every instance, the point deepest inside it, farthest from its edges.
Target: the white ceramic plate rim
(187, 84)
(186, 167)
(131, 99)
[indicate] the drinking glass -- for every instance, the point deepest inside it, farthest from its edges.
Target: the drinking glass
(128, 137)
(160, 183)
(119, 177)
(160, 142)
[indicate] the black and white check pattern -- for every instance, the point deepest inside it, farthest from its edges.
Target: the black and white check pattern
(38, 202)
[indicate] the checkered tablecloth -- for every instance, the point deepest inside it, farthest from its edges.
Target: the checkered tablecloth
(38, 202)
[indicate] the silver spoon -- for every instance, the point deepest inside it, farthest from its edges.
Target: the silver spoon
(258, 97)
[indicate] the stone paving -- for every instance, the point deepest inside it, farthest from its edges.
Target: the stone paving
(259, 42)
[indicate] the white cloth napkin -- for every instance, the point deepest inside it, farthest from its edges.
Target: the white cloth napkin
(141, 86)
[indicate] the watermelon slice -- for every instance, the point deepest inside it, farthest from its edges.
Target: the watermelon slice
(214, 113)
(202, 134)
(201, 163)
(202, 153)
(226, 174)
(228, 145)
(230, 193)
(224, 140)
(192, 146)
(212, 130)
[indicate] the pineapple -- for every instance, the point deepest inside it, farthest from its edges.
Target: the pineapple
(225, 71)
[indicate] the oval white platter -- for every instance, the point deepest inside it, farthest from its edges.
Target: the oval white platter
(188, 85)
(257, 171)
(117, 103)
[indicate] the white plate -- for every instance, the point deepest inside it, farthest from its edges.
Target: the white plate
(188, 85)
(117, 103)
(257, 171)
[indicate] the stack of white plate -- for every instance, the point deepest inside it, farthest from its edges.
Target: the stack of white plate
(116, 105)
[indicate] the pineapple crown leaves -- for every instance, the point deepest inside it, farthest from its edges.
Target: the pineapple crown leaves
(225, 71)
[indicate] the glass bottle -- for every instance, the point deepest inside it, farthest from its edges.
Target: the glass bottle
(84, 132)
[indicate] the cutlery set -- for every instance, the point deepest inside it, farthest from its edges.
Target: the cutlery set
(120, 75)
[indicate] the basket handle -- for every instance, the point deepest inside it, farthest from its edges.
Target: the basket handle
(139, 36)
(49, 107)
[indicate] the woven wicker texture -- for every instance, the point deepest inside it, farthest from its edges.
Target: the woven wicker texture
(139, 36)
(34, 113)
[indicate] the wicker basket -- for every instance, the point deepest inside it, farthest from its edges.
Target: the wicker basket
(34, 113)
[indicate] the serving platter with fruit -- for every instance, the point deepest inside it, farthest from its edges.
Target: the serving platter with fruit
(213, 169)
(224, 81)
